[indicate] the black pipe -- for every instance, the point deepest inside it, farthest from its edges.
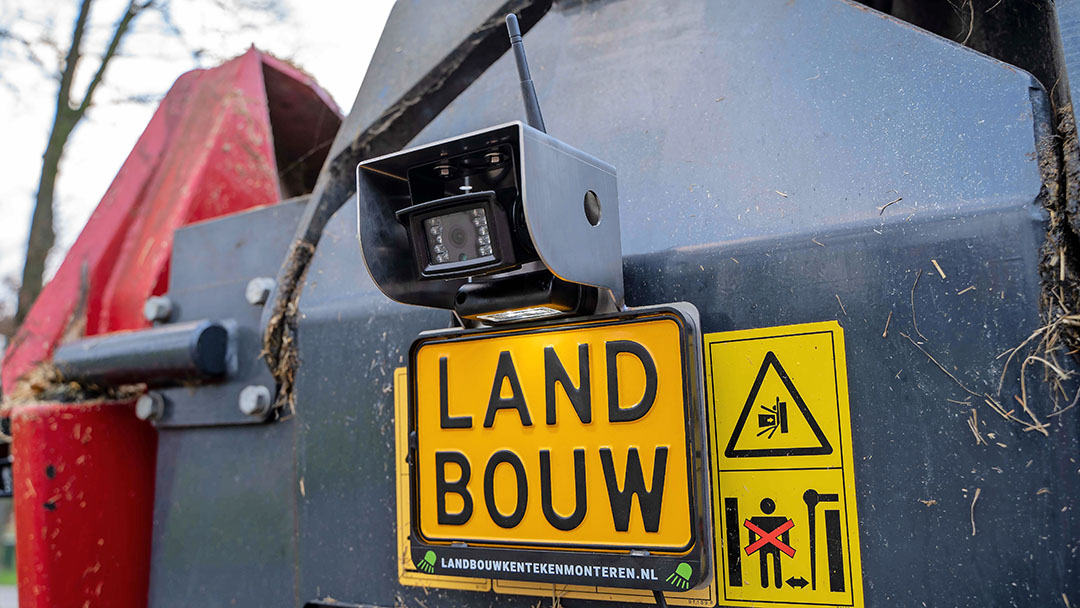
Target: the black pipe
(162, 356)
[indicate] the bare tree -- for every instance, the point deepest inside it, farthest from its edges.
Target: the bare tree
(70, 110)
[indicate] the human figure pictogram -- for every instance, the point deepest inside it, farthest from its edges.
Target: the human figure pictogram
(775, 537)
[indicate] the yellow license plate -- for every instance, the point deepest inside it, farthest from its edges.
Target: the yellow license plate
(568, 437)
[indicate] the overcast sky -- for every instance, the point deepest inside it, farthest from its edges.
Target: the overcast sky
(332, 40)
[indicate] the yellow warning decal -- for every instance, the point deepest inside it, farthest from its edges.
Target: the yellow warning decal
(408, 573)
(787, 531)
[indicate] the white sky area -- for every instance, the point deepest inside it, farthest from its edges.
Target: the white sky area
(333, 40)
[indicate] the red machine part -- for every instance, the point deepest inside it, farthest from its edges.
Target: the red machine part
(247, 133)
(213, 147)
(84, 501)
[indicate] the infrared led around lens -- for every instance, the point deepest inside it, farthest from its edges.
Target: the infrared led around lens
(462, 235)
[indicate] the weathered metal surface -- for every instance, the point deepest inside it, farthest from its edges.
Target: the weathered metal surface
(222, 162)
(207, 151)
(757, 147)
(82, 505)
(406, 68)
(224, 528)
(211, 267)
(224, 517)
(1068, 17)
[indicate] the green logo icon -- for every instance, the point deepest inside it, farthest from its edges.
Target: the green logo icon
(681, 577)
(428, 563)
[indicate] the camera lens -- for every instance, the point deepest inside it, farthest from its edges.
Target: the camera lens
(458, 236)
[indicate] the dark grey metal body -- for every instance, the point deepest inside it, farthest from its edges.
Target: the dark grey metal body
(212, 264)
(757, 145)
(224, 530)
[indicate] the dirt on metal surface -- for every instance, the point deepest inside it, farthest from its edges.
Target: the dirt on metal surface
(279, 340)
(1060, 264)
(1051, 345)
(45, 383)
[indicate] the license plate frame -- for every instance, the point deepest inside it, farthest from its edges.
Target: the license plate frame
(672, 568)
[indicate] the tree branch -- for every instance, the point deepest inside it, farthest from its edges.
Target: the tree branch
(133, 10)
(71, 61)
(28, 49)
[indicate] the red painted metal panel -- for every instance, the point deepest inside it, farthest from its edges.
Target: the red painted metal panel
(68, 299)
(221, 162)
(84, 473)
(209, 150)
(84, 502)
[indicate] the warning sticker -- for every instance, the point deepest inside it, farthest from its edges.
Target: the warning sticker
(772, 431)
(786, 524)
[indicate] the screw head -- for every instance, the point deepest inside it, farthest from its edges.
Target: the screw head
(258, 290)
(255, 400)
(158, 309)
(150, 407)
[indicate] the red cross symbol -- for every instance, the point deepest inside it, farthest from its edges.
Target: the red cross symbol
(770, 538)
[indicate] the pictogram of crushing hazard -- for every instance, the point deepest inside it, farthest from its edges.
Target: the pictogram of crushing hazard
(786, 524)
(775, 433)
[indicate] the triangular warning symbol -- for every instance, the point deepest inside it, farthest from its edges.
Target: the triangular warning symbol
(780, 430)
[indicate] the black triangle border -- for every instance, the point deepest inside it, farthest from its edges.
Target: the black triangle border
(730, 451)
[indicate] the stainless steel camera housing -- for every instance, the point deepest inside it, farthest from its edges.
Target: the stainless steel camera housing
(551, 208)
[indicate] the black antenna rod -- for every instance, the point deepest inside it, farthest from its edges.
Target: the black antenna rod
(528, 92)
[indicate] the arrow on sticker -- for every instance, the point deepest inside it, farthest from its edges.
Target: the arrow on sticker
(798, 583)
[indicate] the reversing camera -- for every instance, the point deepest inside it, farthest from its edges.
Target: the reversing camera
(459, 235)
(500, 225)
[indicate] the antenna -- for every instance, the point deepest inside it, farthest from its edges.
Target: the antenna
(528, 92)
